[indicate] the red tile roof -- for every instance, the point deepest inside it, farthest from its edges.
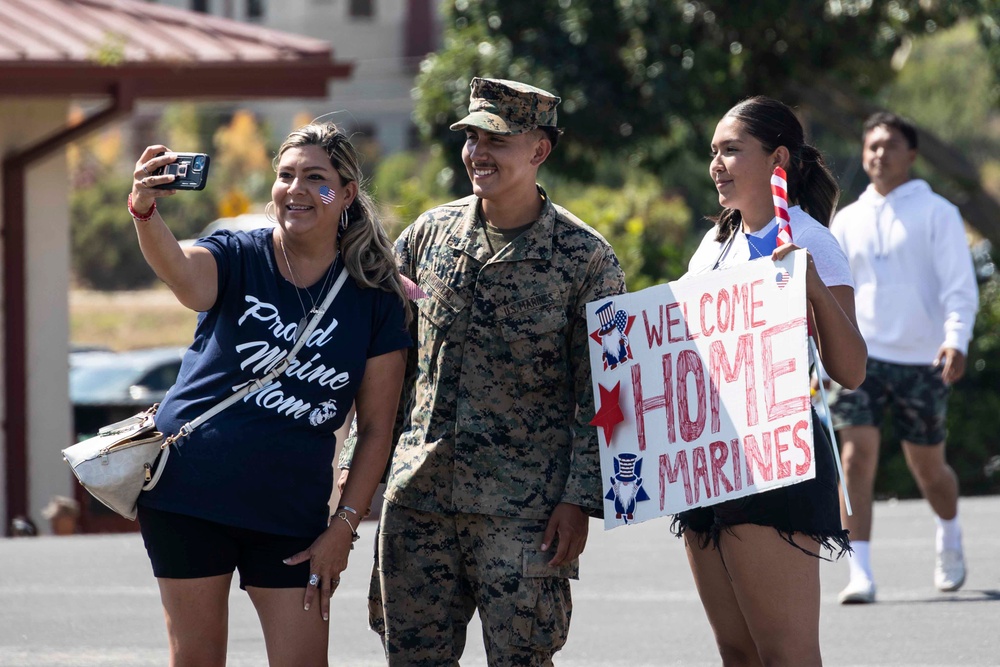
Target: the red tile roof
(84, 46)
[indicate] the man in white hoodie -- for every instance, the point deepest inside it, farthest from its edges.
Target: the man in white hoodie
(916, 298)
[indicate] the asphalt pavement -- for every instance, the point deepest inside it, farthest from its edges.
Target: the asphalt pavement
(85, 601)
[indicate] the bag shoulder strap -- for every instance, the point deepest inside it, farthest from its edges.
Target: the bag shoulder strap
(261, 382)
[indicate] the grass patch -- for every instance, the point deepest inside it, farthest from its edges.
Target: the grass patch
(129, 320)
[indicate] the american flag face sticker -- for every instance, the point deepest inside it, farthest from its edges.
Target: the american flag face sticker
(326, 195)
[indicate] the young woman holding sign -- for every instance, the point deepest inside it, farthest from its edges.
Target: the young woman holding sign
(755, 559)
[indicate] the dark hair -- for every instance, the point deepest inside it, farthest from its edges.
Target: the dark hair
(810, 183)
(888, 119)
(552, 133)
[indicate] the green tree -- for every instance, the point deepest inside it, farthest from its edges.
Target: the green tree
(947, 84)
(104, 251)
(408, 183)
(105, 254)
(972, 435)
(643, 81)
(648, 229)
(242, 162)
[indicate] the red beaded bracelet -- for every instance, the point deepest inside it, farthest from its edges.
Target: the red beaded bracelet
(134, 214)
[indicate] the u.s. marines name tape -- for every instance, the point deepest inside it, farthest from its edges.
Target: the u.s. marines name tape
(701, 389)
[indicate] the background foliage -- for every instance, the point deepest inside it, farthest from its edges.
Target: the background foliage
(643, 83)
(105, 253)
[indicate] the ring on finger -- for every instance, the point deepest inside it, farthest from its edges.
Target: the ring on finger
(314, 580)
(145, 171)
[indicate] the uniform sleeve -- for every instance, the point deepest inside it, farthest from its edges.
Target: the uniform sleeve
(955, 273)
(583, 485)
(350, 442)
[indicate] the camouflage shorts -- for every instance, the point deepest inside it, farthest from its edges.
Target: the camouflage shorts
(916, 396)
(436, 570)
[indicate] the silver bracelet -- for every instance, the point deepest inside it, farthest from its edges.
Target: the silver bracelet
(354, 533)
(349, 509)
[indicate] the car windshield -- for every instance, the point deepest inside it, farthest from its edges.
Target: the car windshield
(92, 381)
(98, 377)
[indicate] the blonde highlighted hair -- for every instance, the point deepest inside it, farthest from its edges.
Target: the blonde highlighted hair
(365, 248)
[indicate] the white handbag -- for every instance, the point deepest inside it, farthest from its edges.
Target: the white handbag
(120, 462)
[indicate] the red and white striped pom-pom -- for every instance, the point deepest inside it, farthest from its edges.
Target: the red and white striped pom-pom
(779, 193)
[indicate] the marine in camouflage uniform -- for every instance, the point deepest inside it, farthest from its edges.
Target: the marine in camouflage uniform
(496, 450)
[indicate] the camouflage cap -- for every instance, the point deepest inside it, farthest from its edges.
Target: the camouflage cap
(508, 107)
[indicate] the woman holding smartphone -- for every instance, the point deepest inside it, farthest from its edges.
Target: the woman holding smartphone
(248, 490)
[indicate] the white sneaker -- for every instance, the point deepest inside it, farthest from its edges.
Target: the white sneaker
(858, 591)
(949, 570)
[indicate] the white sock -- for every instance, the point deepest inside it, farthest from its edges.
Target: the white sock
(860, 561)
(949, 534)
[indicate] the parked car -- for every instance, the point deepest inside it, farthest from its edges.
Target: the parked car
(105, 387)
(241, 223)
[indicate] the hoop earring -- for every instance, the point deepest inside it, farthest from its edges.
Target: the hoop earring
(343, 220)
(271, 212)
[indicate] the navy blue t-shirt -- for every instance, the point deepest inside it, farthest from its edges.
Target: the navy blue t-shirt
(265, 462)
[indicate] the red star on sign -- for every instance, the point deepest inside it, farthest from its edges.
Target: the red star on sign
(610, 413)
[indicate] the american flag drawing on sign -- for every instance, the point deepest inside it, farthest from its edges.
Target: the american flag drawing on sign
(327, 195)
(621, 321)
(781, 278)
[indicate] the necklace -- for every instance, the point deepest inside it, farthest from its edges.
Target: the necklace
(752, 247)
(724, 251)
(295, 282)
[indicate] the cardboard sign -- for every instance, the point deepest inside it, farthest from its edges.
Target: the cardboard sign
(701, 389)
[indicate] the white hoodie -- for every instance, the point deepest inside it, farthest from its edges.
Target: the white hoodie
(915, 288)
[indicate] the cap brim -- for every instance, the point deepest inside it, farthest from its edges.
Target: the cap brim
(489, 122)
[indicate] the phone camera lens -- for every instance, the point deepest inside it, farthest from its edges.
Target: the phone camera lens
(199, 162)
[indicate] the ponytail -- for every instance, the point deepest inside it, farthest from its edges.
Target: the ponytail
(812, 186)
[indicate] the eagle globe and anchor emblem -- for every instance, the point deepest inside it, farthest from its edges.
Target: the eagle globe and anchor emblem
(323, 412)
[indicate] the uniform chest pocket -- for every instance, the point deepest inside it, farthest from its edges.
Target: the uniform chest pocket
(538, 346)
(437, 314)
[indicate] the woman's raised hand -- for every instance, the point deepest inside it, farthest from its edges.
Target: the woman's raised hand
(144, 178)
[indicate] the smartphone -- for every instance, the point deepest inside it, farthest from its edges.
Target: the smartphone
(190, 169)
